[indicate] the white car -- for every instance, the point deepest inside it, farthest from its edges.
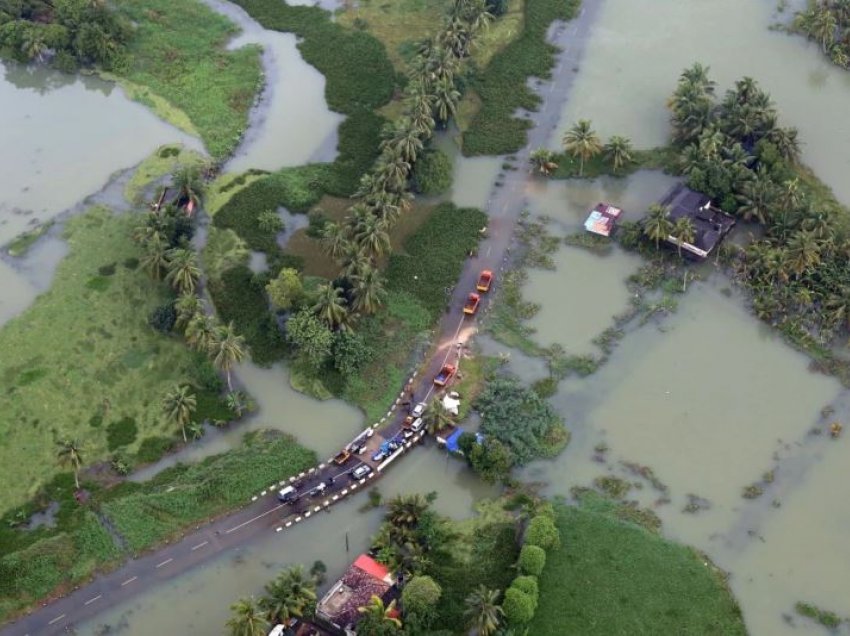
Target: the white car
(361, 471)
(419, 409)
(417, 425)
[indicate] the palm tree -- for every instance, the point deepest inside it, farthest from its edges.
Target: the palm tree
(178, 405)
(657, 225)
(618, 151)
(371, 235)
(683, 232)
(183, 271)
(406, 510)
(200, 332)
(368, 293)
(405, 140)
(581, 141)
(291, 594)
(330, 306)
(227, 349)
(786, 142)
(387, 206)
(248, 619)
(354, 261)
(804, 252)
(542, 161)
(70, 453)
(155, 259)
(446, 98)
(188, 305)
(334, 240)
(189, 184)
(824, 25)
(436, 419)
(394, 169)
(483, 613)
(238, 402)
(697, 76)
(757, 198)
(376, 609)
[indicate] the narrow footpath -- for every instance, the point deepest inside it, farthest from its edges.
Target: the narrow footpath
(265, 513)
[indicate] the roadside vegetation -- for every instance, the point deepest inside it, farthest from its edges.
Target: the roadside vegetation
(827, 22)
(114, 522)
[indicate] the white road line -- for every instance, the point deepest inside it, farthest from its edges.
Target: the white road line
(245, 523)
(92, 600)
(128, 581)
(200, 545)
(57, 619)
(166, 562)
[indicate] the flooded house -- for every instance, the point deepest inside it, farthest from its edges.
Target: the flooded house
(710, 223)
(364, 579)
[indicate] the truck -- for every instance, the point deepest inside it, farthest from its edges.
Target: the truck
(485, 279)
(472, 302)
(341, 457)
(445, 374)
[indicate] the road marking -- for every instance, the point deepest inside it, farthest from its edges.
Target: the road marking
(92, 600)
(245, 523)
(166, 562)
(128, 581)
(57, 619)
(200, 545)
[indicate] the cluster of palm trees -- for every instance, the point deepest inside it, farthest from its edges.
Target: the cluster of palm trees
(582, 143)
(363, 237)
(657, 227)
(736, 152)
(827, 22)
(289, 596)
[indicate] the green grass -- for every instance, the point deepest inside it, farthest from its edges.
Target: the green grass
(222, 189)
(502, 87)
(186, 494)
(611, 578)
(162, 162)
(21, 243)
(84, 349)
(178, 55)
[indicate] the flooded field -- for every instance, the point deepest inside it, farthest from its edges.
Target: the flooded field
(640, 47)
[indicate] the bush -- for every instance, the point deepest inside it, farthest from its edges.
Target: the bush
(519, 607)
(163, 318)
(527, 585)
(350, 353)
(532, 559)
(432, 173)
(121, 433)
(420, 594)
(492, 460)
(542, 532)
(152, 448)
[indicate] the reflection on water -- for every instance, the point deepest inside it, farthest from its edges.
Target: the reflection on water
(639, 48)
(62, 136)
(206, 592)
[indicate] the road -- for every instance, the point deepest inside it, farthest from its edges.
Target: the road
(265, 514)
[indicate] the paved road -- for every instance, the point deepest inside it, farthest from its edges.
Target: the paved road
(265, 514)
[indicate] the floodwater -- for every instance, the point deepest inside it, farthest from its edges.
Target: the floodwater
(62, 138)
(639, 48)
(292, 124)
(206, 593)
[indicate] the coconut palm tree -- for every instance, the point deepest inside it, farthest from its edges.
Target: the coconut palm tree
(618, 151)
(405, 140)
(187, 306)
(657, 225)
(446, 98)
(786, 142)
(183, 271)
(227, 350)
(387, 206)
(757, 198)
(483, 612)
(581, 141)
(330, 306)
(377, 611)
(436, 419)
(697, 76)
(368, 293)
(334, 240)
(371, 235)
(354, 261)
(69, 452)
(683, 231)
(155, 259)
(394, 170)
(542, 161)
(248, 619)
(804, 252)
(239, 402)
(200, 331)
(824, 26)
(406, 510)
(291, 595)
(178, 405)
(189, 184)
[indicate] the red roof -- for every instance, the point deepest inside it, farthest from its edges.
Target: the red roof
(372, 567)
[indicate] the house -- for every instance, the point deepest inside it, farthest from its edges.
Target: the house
(602, 219)
(711, 224)
(364, 579)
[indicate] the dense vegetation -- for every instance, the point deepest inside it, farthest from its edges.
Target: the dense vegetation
(502, 86)
(33, 563)
(613, 577)
(68, 33)
(827, 22)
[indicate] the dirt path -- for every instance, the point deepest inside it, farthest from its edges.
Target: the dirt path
(265, 514)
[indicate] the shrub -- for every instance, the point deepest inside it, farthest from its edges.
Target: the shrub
(350, 353)
(121, 433)
(528, 585)
(532, 559)
(420, 593)
(432, 173)
(163, 318)
(543, 532)
(152, 448)
(270, 221)
(518, 607)
(492, 460)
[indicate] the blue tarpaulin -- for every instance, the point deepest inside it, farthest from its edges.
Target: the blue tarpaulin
(451, 441)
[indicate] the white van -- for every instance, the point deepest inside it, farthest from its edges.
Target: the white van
(287, 495)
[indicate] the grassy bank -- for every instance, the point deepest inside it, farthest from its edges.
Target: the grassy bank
(163, 162)
(502, 87)
(178, 55)
(84, 357)
(34, 564)
(612, 577)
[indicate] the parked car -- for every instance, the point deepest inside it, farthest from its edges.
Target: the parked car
(418, 425)
(287, 495)
(419, 409)
(361, 471)
(445, 374)
(484, 281)
(472, 302)
(318, 490)
(379, 456)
